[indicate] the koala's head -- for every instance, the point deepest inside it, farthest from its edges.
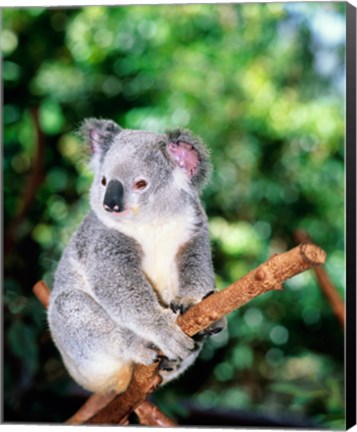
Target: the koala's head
(139, 173)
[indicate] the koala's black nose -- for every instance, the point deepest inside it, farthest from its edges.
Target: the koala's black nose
(113, 198)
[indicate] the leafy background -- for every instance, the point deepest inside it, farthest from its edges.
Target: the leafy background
(263, 85)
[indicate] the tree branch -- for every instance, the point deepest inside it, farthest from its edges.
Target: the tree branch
(150, 415)
(93, 404)
(268, 276)
(327, 287)
(33, 183)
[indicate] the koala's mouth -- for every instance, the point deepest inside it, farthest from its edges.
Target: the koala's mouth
(129, 211)
(119, 213)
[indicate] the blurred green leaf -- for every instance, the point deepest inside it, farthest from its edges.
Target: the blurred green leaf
(51, 117)
(22, 340)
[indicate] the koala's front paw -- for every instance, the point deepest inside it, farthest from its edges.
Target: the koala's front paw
(171, 340)
(169, 365)
(182, 304)
(178, 345)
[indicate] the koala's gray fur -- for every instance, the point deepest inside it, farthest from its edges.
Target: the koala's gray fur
(140, 255)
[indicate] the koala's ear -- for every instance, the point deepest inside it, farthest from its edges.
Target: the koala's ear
(99, 134)
(189, 154)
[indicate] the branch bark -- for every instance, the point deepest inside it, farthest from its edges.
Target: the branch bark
(150, 415)
(268, 276)
(327, 287)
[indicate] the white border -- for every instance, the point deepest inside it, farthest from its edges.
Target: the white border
(69, 3)
(73, 3)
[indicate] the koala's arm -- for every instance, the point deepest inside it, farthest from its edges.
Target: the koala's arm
(121, 288)
(196, 275)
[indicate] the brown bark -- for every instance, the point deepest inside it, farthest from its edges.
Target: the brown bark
(327, 287)
(268, 276)
(150, 415)
(42, 292)
(90, 407)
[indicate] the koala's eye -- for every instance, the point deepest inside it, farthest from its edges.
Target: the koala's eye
(104, 181)
(140, 184)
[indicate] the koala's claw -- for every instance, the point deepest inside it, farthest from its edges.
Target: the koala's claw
(208, 294)
(196, 346)
(211, 330)
(182, 304)
(168, 365)
(205, 333)
(153, 347)
(161, 358)
(165, 368)
(156, 350)
(144, 352)
(177, 307)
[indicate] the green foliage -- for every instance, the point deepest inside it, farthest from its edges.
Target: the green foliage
(254, 81)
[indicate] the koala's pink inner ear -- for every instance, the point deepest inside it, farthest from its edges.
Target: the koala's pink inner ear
(94, 137)
(185, 156)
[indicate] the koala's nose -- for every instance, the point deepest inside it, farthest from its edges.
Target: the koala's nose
(113, 198)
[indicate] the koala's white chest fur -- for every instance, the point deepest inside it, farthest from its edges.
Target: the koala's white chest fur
(161, 241)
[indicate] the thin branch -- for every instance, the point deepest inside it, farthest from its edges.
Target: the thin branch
(33, 183)
(268, 276)
(42, 292)
(327, 287)
(150, 415)
(93, 404)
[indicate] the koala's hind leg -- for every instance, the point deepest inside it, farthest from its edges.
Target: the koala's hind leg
(98, 353)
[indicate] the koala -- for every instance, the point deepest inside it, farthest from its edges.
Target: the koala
(140, 257)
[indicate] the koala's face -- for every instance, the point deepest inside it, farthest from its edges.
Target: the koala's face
(140, 174)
